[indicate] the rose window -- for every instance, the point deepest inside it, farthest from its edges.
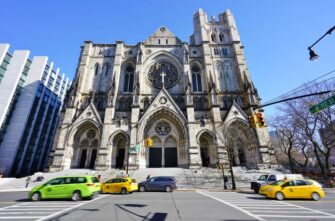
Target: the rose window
(166, 69)
(163, 128)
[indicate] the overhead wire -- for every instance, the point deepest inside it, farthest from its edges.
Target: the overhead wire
(295, 90)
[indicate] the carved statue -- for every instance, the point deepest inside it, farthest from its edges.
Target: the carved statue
(185, 55)
(139, 56)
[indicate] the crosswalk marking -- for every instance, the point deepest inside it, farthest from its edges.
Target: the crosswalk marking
(264, 209)
(39, 210)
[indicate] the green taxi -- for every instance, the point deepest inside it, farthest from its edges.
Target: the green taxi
(71, 187)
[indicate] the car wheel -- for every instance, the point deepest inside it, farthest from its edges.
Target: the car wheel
(123, 191)
(36, 196)
(142, 189)
(316, 196)
(76, 196)
(168, 189)
(279, 196)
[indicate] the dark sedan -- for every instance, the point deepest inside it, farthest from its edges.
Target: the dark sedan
(158, 183)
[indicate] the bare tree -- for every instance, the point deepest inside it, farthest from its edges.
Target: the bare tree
(307, 132)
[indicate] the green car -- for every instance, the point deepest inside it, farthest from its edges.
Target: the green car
(71, 187)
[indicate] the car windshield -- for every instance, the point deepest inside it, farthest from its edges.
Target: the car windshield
(277, 183)
(263, 177)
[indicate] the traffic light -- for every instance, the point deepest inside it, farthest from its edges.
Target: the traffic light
(148, 142)
(260, 120)
(252, 121)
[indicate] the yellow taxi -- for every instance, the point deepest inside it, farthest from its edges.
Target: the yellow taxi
(296, 188)
(121, 185)
(263, 189)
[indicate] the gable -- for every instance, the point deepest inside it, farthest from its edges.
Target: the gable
(163, 101)
(89, 113)
(162, 36)
(235, 112)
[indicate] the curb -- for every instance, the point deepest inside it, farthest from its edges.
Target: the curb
(15, 190)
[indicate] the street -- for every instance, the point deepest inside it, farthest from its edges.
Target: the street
(161, 206)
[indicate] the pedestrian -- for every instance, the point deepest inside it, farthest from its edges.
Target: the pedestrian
(99, 178)
(28, 180)
(225, 181)
(148, 177)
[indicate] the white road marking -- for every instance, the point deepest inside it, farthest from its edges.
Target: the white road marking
(229, 204)
(17, 212)
(39, 210)
(3, 208)
(288, 216)
(63, 211)
(260, 207)
(306, 208)
(20, 217)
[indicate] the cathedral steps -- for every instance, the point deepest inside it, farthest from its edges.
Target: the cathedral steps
(202, 178)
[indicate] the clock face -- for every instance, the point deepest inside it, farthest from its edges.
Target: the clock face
(162, 69)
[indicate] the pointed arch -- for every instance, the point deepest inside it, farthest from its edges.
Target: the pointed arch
(119, 142)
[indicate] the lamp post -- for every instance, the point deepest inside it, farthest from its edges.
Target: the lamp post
(312, 55)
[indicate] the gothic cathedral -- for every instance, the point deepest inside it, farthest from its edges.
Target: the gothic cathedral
(193, 99)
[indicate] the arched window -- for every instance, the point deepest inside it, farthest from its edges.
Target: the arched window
(96, 69)
(106, 68)
(128, 78)
(196, 78)
(213, 36)
(221, 36)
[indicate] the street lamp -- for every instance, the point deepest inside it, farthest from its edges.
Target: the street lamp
(312, 55)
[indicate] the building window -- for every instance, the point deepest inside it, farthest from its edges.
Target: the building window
(159, 41)
(216, 51)
(96, 69)
(213, 37)
(221, 36)
(167, 41)
(106, 68)
(224, 51)
(196, 78)
(128, 78)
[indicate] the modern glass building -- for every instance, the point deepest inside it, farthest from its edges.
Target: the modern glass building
(31, 96)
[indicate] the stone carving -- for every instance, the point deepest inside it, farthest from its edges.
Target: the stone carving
(185, 55)
(162, 100)
(139, 56)
(171, 74)
(163, 128)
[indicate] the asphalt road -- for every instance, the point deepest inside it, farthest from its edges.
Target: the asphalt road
(160, 206)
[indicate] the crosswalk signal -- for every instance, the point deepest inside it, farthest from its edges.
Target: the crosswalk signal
(260, 120)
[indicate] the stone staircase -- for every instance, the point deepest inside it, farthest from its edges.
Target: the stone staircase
(203, 178)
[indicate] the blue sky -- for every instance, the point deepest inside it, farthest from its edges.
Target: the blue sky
(275, 33)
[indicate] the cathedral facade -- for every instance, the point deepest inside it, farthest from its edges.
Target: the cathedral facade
(193, 99)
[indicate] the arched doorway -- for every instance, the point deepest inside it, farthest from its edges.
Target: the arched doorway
(208, 151)
(119, 152)
(163, 153)
(243, 144)
(86, 147)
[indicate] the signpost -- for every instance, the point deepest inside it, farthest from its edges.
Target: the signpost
(322, 105)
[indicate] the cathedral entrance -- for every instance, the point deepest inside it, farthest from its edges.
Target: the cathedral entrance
(170, 157)
(119, 150)
(163, 153)
(207, 150)
(86, 149)
(155, 157)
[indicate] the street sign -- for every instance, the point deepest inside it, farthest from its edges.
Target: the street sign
(135, 149)
(322, 105)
